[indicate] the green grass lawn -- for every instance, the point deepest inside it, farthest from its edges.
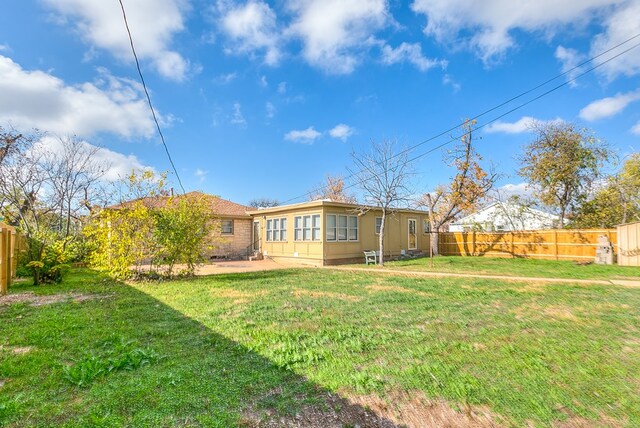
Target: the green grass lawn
(515, 267)
(228, 350)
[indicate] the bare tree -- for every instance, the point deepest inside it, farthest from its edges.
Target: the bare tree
(263, 203)
(334, 189)
(383, 176)
(466, 191)
(72, 170)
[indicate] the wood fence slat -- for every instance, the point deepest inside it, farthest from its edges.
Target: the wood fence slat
(548, 244)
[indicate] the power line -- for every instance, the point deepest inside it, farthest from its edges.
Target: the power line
(146, 92)
(502, 104)
(555, 88)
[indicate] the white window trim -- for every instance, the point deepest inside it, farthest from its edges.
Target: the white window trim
(375, 225)
(357, 228)
(276, 232)
(302, 228)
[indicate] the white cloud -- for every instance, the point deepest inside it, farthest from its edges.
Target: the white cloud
(620, 25)
(263, 81)
(570, 59)
(335, 32)
(342, 131)
(282, 87)
(238, 118)
(412, 53)
(117, 165)
(153, 24)
(517, 127)
(636, 129)
(609, 106)
(38, 99)
(4, 48)
(251, 28)
(513, 189)
(305, 136)
(486, 27)
(201, 175)
(271, 110)
(448, 80)
(225, 79)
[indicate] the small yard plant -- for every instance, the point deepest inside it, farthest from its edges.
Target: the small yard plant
(115, 355)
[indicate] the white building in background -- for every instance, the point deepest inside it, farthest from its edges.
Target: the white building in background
(505, 216)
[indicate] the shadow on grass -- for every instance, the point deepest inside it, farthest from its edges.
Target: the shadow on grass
(201, 377)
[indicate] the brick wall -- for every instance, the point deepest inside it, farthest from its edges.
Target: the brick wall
(235, 245)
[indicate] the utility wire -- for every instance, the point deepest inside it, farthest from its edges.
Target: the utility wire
(146, 92)
(456, 138)
(498, 106)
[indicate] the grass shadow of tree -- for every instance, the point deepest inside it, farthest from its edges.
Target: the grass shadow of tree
(203, 378)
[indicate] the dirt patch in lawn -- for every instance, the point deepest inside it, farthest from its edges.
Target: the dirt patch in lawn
(325, 294)
(16, 350)
(48, 299)
(579, 422)
(398, 410)
(380, 288)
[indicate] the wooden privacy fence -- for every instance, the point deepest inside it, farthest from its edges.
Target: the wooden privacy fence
(10, 242)
(629, 244)
(561, 244)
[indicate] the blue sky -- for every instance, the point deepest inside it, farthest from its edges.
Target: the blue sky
(264, 99)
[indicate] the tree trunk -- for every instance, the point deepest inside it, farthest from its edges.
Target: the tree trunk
(434, 241)
(381, 238)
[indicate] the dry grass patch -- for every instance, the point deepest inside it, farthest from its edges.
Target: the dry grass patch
(379, 288)
(237, 296)
(16, 350)
(325, 294)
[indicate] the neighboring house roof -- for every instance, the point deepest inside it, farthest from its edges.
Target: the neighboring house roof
(325, 202)
(220, 207)
(501, 210)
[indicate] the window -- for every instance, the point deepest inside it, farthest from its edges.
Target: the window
(277, 229)
(378, 225)
(307, 227)
(227, 227)
(342, 227)
(426, 226)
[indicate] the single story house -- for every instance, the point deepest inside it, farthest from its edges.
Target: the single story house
(324, 232)
(233, 237)
(504, 217)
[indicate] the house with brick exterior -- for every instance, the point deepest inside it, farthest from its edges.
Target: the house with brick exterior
(321, 232)
(233, 231)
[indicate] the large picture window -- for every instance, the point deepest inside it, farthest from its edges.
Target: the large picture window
(342, 227)
(307, 227)
(277, 229)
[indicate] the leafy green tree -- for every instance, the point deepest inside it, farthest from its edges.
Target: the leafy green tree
(151, 232)
(562, 163)
(184, 230)
(616, 202)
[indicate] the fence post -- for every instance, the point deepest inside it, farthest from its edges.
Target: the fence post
(513, 248)
(4, 283)
(555, 242)
(473, 243)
